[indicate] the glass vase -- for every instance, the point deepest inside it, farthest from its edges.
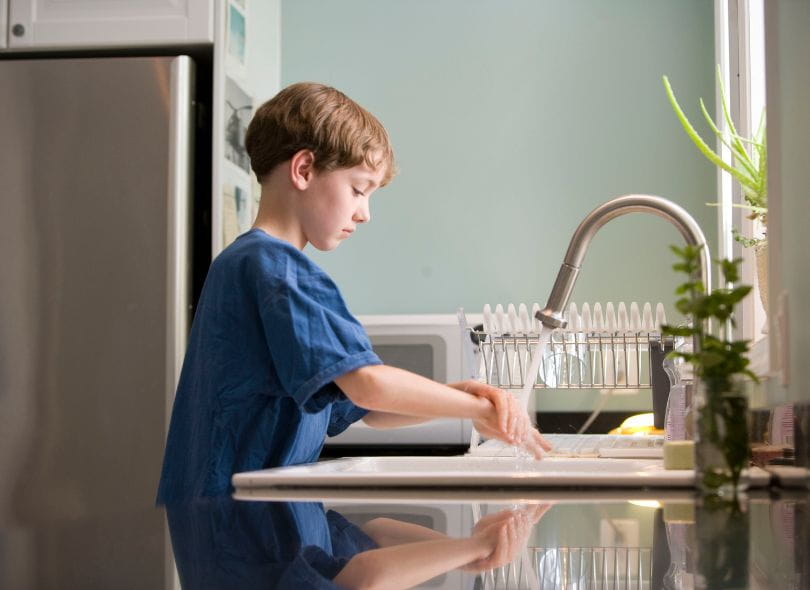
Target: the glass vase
(722, 530)
(721, 439)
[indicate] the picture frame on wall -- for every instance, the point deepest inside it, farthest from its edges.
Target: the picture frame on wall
(237, 115)
(236, 39)
(239, 207)
(230, 218)
(238, 211)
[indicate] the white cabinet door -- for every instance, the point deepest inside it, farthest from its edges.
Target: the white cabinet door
(109, 23)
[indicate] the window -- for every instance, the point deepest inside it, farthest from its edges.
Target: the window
(740, 51)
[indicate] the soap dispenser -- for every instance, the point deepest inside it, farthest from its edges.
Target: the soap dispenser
(679, 402)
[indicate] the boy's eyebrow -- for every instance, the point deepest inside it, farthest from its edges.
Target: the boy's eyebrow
(369, 185)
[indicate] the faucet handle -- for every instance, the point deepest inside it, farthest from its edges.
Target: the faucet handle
(551, 319)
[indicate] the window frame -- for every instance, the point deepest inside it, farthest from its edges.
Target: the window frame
(739, 51)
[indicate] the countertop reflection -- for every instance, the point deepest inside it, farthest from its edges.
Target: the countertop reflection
(423, 539)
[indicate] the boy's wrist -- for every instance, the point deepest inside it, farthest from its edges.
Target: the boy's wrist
(481, 546)
(484, 408)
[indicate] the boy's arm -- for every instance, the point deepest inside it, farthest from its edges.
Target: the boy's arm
(382, 420)
(396, 391)
(389, 389)
(407, 566)
(495, 541)
(387, 531)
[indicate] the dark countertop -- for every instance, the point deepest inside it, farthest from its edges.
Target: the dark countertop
(543, 539)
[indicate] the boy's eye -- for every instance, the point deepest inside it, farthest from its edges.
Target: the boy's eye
(357, 193)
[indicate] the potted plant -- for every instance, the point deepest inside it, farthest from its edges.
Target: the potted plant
(719, 405)
(748, 167)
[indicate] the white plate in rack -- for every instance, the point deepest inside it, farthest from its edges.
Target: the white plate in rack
(479, 472)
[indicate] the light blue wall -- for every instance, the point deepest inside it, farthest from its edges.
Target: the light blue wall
(511, 120)
(263, 52)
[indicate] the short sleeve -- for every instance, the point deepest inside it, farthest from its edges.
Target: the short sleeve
(313, 568)
(312, 337)
(344, 414)
(347, 539)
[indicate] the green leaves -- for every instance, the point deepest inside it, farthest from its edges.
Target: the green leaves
(729, 268)
(746, 242)
(678, 330)
(748, 164)
(717, 361)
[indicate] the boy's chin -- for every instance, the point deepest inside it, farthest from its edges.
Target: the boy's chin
(327, 246)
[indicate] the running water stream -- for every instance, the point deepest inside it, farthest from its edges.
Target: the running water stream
(524, 395)
(530, 376)
(529, 379)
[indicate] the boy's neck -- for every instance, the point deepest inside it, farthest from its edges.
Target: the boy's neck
(277, 216)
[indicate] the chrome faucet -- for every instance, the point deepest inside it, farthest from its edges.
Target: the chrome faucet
(552, 315)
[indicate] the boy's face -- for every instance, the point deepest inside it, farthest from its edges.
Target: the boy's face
(335, 202)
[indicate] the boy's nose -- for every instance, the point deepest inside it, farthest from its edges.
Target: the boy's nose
(363, 213)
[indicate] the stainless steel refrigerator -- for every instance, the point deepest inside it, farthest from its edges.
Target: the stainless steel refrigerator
(95, 232)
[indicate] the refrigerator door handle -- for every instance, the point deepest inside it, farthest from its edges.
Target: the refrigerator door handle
(179, 193)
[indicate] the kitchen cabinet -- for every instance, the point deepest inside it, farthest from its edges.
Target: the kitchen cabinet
(49, 24)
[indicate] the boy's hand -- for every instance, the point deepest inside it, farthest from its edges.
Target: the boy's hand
(508, 416)
(504, 422)
(506, 533)
(503, 535)
(532, 441)
(510, 422)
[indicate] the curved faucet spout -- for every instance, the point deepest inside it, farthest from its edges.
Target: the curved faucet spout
(552, 315)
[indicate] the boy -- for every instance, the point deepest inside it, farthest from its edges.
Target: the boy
(275, 360)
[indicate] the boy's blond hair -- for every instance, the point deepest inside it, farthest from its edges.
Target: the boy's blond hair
(306, 115)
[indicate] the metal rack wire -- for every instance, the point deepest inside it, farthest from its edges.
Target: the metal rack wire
(571, 360)
(574, 568)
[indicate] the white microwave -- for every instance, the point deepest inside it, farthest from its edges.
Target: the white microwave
(431, 345)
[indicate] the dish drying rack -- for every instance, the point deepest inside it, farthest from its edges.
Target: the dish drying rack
(545, 568)
(610, 349)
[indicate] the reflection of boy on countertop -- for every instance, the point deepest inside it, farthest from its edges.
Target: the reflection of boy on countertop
(225, 543)
(275, 359)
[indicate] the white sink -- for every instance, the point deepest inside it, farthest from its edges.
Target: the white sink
(477, 466)
(477, 472)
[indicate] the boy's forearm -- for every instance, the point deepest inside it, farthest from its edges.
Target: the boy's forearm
(405, 566)
(383, 420)
(389, 389)
(387, 532)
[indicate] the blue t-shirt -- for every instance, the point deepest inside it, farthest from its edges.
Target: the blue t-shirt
(270, 334)
(222, 543)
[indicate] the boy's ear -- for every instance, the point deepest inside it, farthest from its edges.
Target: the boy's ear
(302, 168)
